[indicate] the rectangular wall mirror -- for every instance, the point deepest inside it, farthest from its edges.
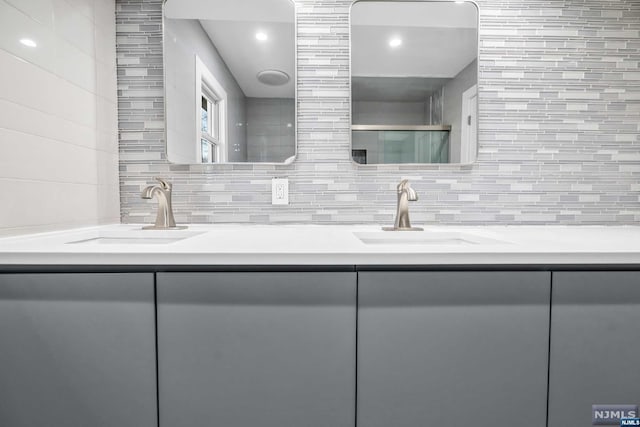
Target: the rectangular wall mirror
(230, 81)
(414, 74)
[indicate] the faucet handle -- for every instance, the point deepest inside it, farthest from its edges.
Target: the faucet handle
(166, 185)
(403, 184)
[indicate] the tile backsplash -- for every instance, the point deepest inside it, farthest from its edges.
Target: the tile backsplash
(559, 135)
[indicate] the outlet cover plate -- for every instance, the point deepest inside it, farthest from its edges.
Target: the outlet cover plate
(280, 191)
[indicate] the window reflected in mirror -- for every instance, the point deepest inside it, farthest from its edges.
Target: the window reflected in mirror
(414, 74)
(230, 81)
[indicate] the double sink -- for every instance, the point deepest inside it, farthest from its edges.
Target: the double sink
(166, 232)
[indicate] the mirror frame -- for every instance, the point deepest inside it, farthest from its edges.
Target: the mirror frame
(427, 166)
(209, 166)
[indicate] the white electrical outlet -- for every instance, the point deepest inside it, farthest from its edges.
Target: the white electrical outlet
(280, 191)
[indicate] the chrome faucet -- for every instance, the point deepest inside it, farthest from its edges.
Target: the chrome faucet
(164, 220)
(406, 194)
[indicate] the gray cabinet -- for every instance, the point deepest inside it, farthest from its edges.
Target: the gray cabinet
(256, 349)
(452, 348)
(595, 344)
(77, 350)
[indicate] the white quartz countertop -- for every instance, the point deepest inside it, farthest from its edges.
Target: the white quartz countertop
(237, 244)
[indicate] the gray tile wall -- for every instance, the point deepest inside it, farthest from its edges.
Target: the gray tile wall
(270, 129)
(390, 113)
(559, 126)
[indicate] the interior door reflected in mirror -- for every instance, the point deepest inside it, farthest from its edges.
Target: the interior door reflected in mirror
(230, 81)
(414, 75)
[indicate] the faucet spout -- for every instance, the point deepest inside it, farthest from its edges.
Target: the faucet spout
(147, 193)
(406, 194)
(162, 191)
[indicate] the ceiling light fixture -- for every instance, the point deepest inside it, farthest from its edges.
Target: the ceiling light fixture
(28, 42)
(273, 77)
(395, 42)
(261, 36)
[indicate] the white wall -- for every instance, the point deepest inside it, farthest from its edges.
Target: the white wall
(453, 106)
(58, 115)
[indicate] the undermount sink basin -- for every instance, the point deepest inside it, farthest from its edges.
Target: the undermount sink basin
(422, 238)
(138, 237)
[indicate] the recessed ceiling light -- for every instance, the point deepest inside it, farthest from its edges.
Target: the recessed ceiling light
(28, 42)
(395, 42)
(261, 36)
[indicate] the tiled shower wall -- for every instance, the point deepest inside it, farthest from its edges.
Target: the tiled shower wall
(559, 90)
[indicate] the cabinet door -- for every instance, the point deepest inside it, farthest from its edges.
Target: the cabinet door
(256, 349)
(77, 350)
(595, 344)
(452, 348)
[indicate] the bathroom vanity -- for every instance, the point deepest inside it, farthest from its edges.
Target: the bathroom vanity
(318, 325)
